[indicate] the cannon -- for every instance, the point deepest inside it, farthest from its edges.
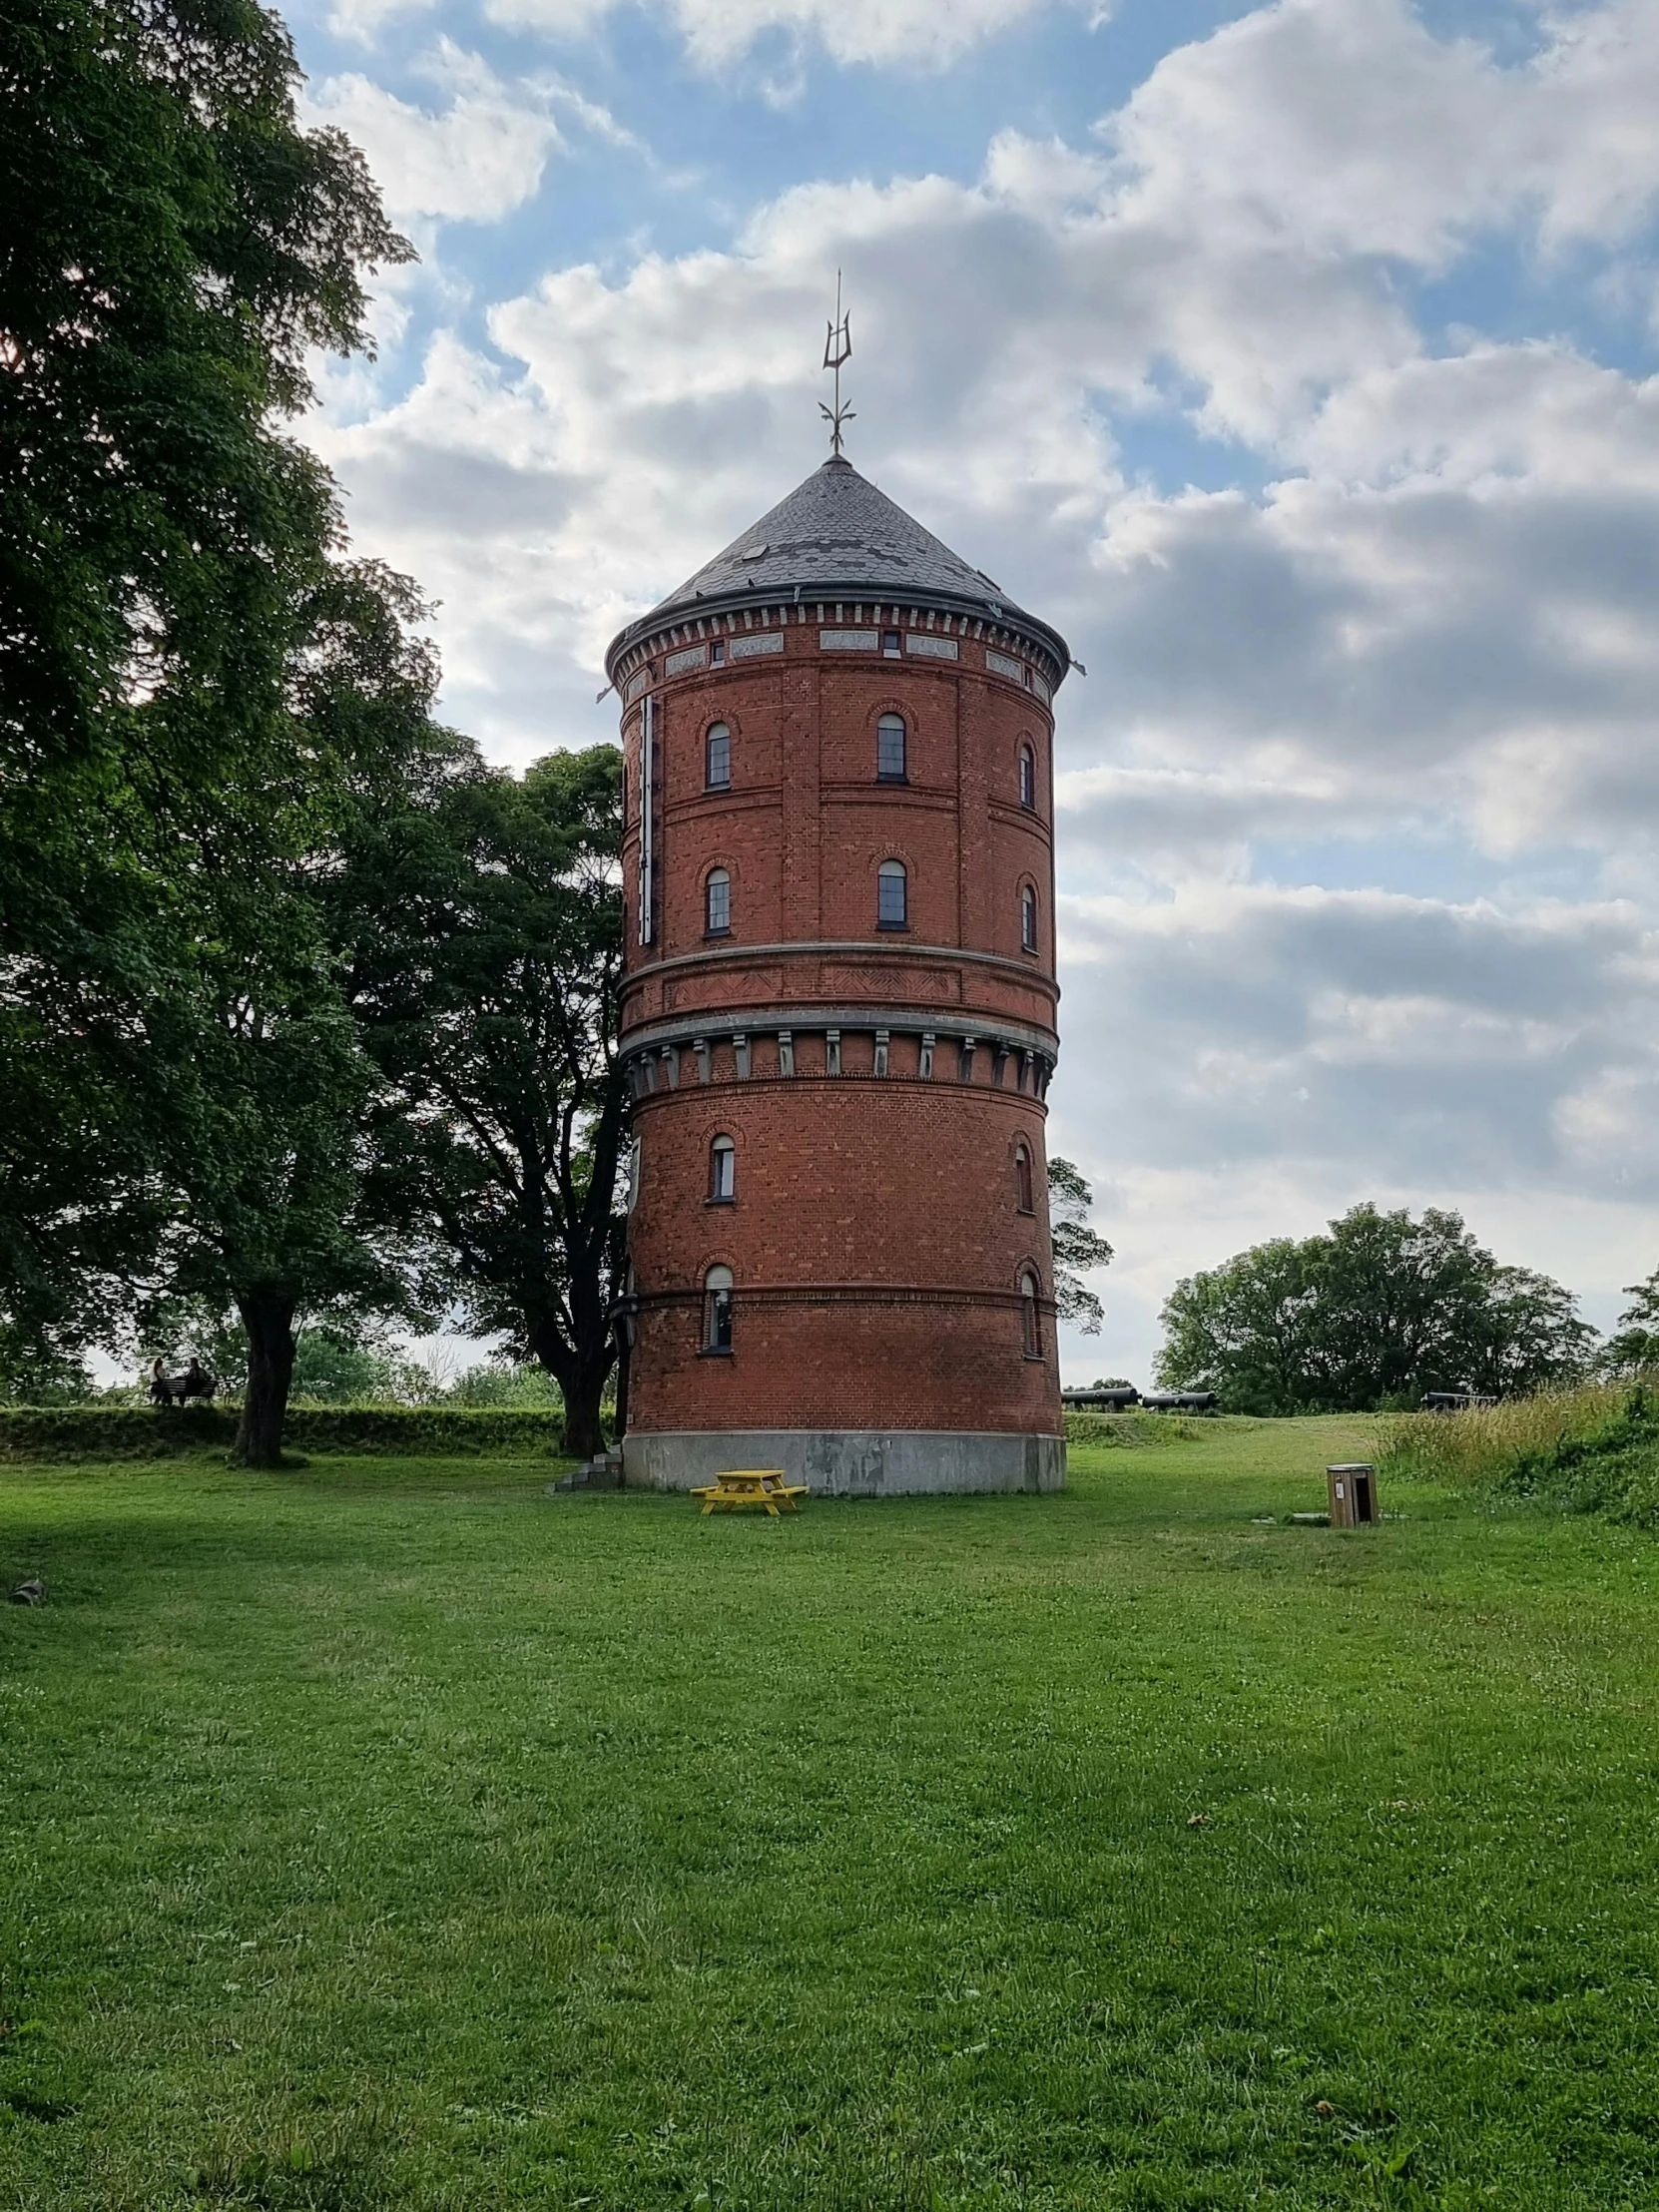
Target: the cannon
(1452, 1402)
(1180, 1402)
(1114, 1401)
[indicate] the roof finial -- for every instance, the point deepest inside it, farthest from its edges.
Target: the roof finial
(838, 347)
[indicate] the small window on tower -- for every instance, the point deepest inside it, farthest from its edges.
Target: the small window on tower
(722, 1172)
(717, 904)
(891, 896)
(1027, 776)
(718, 756)
(1031, 1315)
(1022, 1180)
(889, 749)
(717, 654)
(717, 1310)
(1027, 918)
(890, 643)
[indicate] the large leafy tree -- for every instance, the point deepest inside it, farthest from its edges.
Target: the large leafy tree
(1633, 1347)
(189, 670)
(486, 926)
(1077, 1247)
(1374, 1314)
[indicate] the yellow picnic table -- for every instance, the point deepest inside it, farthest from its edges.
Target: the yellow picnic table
(751, 1487)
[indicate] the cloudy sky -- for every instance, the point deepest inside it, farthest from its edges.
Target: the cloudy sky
(1296, 361)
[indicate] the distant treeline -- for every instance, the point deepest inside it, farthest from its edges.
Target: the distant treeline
(1381, 1310)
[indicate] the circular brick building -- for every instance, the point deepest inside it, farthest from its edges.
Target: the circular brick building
(838, 1015)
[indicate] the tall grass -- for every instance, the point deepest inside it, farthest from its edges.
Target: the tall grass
(1486, 1442)
(1590, 1450)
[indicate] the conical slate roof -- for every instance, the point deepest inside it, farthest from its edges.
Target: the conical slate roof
(836, 534)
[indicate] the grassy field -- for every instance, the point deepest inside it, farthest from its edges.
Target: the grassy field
(387, 1834)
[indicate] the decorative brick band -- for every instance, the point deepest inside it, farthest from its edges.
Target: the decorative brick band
(837, 948)
(843, 1294)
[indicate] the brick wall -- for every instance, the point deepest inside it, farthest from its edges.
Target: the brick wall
(876, 1241)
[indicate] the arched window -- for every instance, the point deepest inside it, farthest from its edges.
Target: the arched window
(1029, 1312)
(722, 1172)
(716, 904)
(1027, 776)
(1028, 918)
(891, 896)
(1022, 1179)
(718, 759)
(889, 749)
(717, 1310)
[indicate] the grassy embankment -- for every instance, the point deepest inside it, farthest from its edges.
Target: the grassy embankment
(388, 1835)
(1590, 1450)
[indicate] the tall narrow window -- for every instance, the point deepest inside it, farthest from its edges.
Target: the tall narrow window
(889, 749)
(1027, 776)
(722, 1172)
(892, 910)
(1027, 918)
(717, 1310)
(717, 773)
(1022, 1180)
(1031, 1315)
(717, 904)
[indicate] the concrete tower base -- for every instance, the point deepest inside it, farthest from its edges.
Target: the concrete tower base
(859, 1462)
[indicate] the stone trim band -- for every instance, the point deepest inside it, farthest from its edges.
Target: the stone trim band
(667, 1045)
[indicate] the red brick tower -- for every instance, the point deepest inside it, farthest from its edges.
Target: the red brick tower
(839, 1011)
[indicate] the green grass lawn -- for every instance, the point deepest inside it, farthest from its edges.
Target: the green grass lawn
(387, 1834)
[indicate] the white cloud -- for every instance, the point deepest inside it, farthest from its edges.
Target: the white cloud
(911, 33)
(1432, 625)
(479, 158)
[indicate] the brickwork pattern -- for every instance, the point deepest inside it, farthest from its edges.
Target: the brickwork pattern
(876, 1241)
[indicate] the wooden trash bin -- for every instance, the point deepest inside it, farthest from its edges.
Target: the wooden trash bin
(1353, 1493)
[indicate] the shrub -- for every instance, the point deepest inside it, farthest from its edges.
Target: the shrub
(1130, 1429)
(104, 1431)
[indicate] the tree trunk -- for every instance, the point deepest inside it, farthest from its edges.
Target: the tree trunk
(268, 1316)
(581, 1376)
(583, 1436)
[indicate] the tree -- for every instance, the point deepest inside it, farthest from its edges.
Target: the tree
(340, 1361)
(1076, 1247)
(486, 933)
(1375, 1313)
(169, 584)
(1634, 1347)
(270, 1139)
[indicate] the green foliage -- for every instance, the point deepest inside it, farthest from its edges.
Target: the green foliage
(90, 1434)
(35, 1370)
(505, 1384)
(1118, 1430)
(1371, 1315)
(1592, 1450)
(161, 546)
(404, 1837)
(195, 683)
(1633, 1349)
(1076, 1247)
(485, 921)
(342, 1364)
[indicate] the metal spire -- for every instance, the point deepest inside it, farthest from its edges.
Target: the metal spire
(838, 347)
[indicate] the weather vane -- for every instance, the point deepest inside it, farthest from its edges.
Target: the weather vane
(838, 349)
